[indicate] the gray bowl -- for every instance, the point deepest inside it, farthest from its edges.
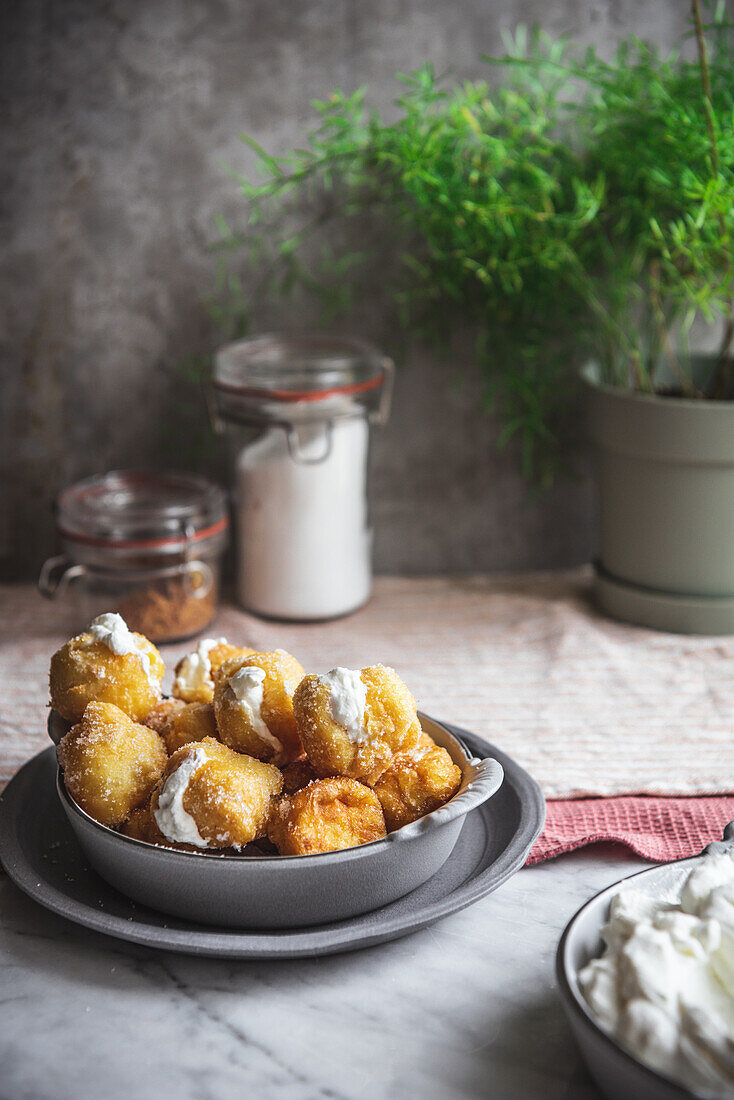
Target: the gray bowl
(284, 891)
(619, 1075)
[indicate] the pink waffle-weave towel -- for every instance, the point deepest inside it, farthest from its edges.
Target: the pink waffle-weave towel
(658, 829)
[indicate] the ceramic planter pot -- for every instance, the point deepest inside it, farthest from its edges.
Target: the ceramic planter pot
(665, 475)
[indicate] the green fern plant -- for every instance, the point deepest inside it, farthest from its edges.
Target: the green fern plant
(567, 208)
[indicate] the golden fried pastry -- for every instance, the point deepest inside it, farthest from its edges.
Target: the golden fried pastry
(195, 673)
(141, 825)
(106, 664)
(193, 723)
(161, 716)
(326, 816)
(416, 783)
(212, 797)
(354, 723)
(111, 764)
(298, 774)
(253, 704)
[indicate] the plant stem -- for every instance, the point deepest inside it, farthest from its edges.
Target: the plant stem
(722, 380)
(663, 333)
(706, 82)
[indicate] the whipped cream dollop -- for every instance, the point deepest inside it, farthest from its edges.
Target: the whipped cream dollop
(195, 670)
(172, 819)
(247, 687)
(347, 701)
(664, 986)
(112, 631)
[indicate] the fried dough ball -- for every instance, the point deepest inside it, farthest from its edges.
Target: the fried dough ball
(354, 723)
(193, 723)
(212, 797)
(195, 673)
(253, 704)
(326, 816)
(161, 717)
(297, 775)
(141, 825)
(180, 723)
(416, 783)
(424, 743)
(107, 664)
(111, 764)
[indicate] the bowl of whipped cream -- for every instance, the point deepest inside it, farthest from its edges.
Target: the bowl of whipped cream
(646, 972)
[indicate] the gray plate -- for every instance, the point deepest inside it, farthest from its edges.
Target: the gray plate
(40, 854)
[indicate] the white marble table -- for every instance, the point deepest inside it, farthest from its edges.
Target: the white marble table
(467, 1008)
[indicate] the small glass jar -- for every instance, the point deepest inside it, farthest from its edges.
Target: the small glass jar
(298, 412)
(146, 545)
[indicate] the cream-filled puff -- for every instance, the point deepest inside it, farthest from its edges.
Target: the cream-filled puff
(195, 673)
(354, 722)
(213, 797)
(106, 664)
(253, 704)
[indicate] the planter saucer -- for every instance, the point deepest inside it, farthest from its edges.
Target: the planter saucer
(659, 610)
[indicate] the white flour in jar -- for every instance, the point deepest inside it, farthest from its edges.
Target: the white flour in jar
(304, 546)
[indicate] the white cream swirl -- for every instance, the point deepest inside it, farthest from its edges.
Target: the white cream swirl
(664, 985)
(172, 819)
(347, 701)
(112, 631)
(247, 687)
(195, 670)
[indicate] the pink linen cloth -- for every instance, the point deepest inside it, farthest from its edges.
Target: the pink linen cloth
(658, 829)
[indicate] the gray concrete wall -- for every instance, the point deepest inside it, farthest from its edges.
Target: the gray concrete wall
(118, 116)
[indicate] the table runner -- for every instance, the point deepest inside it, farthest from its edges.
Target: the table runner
(657, 829)
(588, 705)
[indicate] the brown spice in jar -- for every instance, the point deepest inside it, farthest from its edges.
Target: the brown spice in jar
(170, 609)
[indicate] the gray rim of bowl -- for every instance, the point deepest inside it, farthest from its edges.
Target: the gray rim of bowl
(579, 1007)
(312, 940)
(344, 854)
